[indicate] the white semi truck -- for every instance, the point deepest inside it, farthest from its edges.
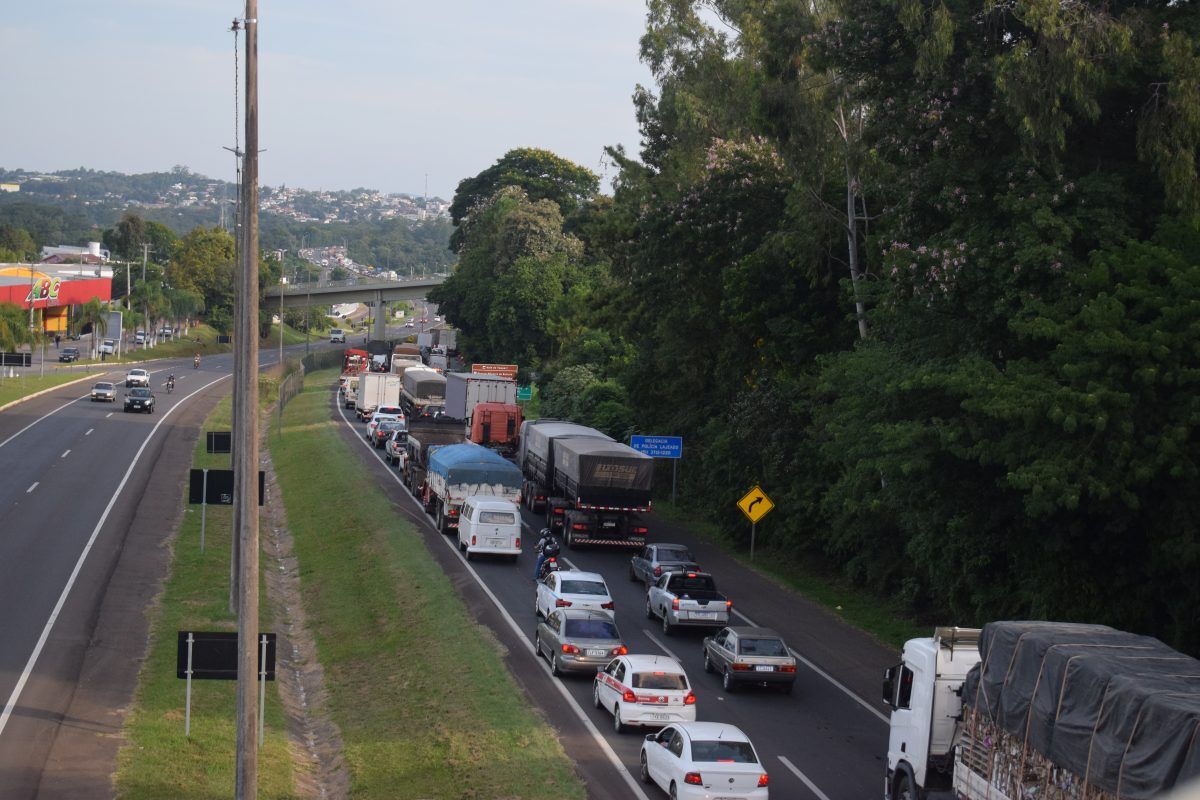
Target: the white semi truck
(1045, 710)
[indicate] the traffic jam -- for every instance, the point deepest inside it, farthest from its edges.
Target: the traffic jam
(555, 519)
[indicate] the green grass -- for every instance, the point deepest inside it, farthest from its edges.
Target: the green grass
(425, 704)
(156, 760)
(884, 620)
(24, 385)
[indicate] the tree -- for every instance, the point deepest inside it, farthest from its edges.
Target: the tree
(14, 327)
(203, 263)
(541, 174)
(94, 313)
(17, 244)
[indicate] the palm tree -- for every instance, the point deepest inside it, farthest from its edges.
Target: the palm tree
(183, 304)
(14, 327)
(148, 296)
(95, 313)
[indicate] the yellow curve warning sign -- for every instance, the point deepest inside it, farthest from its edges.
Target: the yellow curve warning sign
(755, 505)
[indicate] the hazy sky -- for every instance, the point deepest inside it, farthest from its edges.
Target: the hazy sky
(352, 92)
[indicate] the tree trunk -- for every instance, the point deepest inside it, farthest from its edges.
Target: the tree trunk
(852, 247)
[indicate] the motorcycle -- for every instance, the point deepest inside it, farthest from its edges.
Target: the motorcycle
(548, 566)
(170, 386)
(196, 362)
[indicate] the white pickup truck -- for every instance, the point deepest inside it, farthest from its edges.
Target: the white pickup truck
(687, 599)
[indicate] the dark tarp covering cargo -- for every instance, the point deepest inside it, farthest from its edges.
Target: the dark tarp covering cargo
(470, 463)
(534, 456)
(424, 383)
(1121, 711)
(602, 473)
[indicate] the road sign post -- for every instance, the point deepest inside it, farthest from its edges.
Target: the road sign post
(661, 447)
(755, 505)
(203, 509)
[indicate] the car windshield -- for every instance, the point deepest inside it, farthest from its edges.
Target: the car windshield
(680, 554)
(104, 386)
(727, 752)
(138, 372)
(139, 392)
(762, 647)
(389, 425)
(497, 517)
(591, 629)
(584, 587)
(659, 680)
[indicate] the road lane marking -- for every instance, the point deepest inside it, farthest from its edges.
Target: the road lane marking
(109, 414)
(87, 548)
(39, 419)
(804, 779)
(572, 703)
(31, 488)
(89, 431)
(661, 646)
(65, 454)
(849, 693)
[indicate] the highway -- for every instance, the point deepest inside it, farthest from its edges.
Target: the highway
(89, 495)
(827, 740)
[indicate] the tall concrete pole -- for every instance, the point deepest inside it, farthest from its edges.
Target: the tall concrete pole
(246, 434)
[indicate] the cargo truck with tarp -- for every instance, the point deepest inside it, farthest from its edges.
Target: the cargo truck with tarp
(423, 388)
(425, 433)
(536, 458)
(1046, 710)
(459, 471)
(599, 492)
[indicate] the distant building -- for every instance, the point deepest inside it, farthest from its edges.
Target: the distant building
(92, 254)
(10, 187)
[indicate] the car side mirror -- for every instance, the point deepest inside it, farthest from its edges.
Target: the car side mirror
(650, 737)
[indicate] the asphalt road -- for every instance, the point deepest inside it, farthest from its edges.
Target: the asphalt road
(89, 493)
(827, 740)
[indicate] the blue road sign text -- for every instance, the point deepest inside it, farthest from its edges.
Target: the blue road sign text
(658, 446)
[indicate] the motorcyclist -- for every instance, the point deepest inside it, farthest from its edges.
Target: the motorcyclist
(546, 541)
(170, 383)
(196, 361)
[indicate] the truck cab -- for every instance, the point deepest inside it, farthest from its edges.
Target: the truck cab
(924, 692)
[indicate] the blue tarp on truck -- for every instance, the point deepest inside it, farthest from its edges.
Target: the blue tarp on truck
(470, 463)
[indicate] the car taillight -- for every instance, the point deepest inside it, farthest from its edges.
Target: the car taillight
(452, 512)
(560, 603)
(570, 648)
(693, 778)
(472, 541)
(641, 531)
(629, 696)
(728, 604)
(609, 605)
(762, 780)
(791, 668)
(738, 666)
(620, 651)
(657, 571)
(558, 511)
(675, 604)
(579, 526)
(690, 700)
(518, 542)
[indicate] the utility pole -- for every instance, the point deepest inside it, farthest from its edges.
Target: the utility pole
(281, 254)
(245, 427)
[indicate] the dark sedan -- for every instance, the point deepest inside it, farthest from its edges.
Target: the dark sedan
(139, 398)
(69, 354)
(750, 656)
(384, 430)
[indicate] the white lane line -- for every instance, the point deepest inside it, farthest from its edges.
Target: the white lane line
(65, 454)
(804, 779)
(31, 488)
(89, 431)
(661, 646)
(87, 548)
(849, 693)
(44, 416)
(605, 747)
(109, 414)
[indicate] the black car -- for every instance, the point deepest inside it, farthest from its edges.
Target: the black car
(69, 354)
(139, 398)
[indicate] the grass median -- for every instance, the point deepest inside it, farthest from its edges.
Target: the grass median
(157, 761)
(23, 385)
(425, 704)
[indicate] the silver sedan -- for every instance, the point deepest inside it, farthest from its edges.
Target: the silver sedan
(104, 391)
(577, 640)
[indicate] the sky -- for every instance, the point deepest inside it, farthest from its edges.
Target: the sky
(371, 93)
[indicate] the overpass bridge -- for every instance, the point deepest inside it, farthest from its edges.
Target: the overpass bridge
(355, 290)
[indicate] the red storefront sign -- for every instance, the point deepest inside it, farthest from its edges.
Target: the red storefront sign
(51, 292)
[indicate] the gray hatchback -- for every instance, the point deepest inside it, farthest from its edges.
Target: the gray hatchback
(750, 656)
(578, 640)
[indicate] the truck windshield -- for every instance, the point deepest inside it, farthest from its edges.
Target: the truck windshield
(729, 752)
(761, 647)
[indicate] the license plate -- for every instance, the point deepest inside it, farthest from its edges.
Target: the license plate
(764, 668)
(597, 652)
(608, 525)
(704, 614)
(658, 716)
(496, 542)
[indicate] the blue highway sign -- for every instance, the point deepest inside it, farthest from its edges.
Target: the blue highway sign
(658, 446)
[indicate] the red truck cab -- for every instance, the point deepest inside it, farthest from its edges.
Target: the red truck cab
(496, 425)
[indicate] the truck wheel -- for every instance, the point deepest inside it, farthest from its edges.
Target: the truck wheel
(632, 575)
(570, 540)
(903, 789)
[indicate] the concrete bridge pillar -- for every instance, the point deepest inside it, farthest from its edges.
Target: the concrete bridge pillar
(380, 317)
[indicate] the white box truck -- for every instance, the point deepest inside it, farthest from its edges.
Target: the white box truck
(465, 390)
(376, 389)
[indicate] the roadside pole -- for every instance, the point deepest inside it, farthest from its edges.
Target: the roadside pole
(246, 435)
(203, 509)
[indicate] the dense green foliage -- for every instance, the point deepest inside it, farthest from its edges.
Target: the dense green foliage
(927, 271)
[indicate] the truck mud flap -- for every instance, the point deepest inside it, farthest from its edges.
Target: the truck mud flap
(612, 542)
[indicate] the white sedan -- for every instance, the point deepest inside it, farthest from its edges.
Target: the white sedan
(701, 760)
(137, 377)
(572, 589)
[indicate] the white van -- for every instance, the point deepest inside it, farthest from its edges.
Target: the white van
(139, 337)
(489, 525)
(337, 335)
